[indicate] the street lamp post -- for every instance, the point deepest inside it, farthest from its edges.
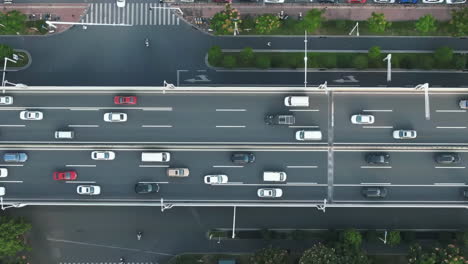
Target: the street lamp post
(384, 240)
(4, 69)
(15, 205)
(389, 67)
(356, 27)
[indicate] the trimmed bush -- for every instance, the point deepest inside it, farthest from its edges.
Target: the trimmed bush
(393, 238)
(360, 62)
(426, 63)
(352, 238)
(263, 62)
(443, 56)
(229, 61)
(372, 236)
(215, 55)
(460, 62)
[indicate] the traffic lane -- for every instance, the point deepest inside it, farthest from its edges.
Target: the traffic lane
(127, 169)
(409, 194)
(403, 168)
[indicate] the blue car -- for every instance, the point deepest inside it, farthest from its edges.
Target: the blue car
(408, 1)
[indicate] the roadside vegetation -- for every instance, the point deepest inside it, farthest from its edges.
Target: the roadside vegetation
(315, 24)
(343, 247)
(17, 23)
(442, 58)
(14, 247)
(7, 52)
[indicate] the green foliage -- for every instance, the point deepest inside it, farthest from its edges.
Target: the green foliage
(377, 23)
(360, 62)
(460, 64)
(449, 255)
(263, 62)
(340, 24)
(247, 55)
(5, 51)
(426, 62)
(264, 24)
(350, 255)
(248, 23)
(374, 53)
(39, 25)
(312, 20)
(327, 60)
(13, 22)
(12, 231)
(352, 237)
(215, 55)
(319, 254)
(269, 256)
(222, 22)
(393, 238)
(372, 236)
(426, 24)
(443, 55)
(229, 61)
(459, 22)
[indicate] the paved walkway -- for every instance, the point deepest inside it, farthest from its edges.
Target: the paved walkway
(65, 12)
(355, 12)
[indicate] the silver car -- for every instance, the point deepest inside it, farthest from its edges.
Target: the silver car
(88, 189)
(216, 179)
(269, 192)
(31, 115)
(103, 155)
(404, 134)
(6, 100)
(115, 117)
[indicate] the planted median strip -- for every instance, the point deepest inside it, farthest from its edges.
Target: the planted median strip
(442, 59)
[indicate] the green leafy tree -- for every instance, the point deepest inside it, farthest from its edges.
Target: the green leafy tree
(215, 55)
(222, 22)
(460, 64)
(352, 237)
(264, 24)
(393, 238)
(374, 53)
(13, 22)
(458, 23)
(327, 60)
(351, 255)
(229, 61)
(448, 255)
(443, 56)
(319, 254)
(5, 51)
(426, 62)
(263, 62)
(377, 23)
(269, 256)
(312, 20)
(12, 231)
(360, 62)
(247, 55)
(426, 24)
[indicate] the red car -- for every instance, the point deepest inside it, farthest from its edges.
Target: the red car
(65, 175)
(125, 100)
(356, 1)
(222, 1)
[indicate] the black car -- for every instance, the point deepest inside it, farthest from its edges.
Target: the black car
(146, 187)
(465, 193)
(327, 1)
(374, 192)
(447, 158)
(243, 158)
(280, 120)
(378, 158)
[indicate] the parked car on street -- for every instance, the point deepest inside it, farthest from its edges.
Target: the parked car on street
(407, 1)
(273, 1)
(455, 2)
(120, 3)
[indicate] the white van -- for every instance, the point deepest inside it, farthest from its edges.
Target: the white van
(155, 156)
(274, 176)
(302, 135)
(302, 101)
(64, 134)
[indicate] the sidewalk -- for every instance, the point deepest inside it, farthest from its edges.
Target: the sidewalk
(64, 12)
(332, 12)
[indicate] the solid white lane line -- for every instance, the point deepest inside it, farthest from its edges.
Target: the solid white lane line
(156, 126)
(12, 125)
(304, 110)
(227, 166)
(451, 111)
(153, 166)
(377, 126)
(304, 126)
(231, 110)
(450, 167)
(11, 181)
(401, 185)
(377, 110)
(80, 182)
(155, 109)
(153, 182)
(83, 125)
(230, 126)
(84, 109)
(300, 184)
(302, 167)
(79, 165)
(452, 127)
(376, 167)
(11, 165)
(375, 183)
(450, 183)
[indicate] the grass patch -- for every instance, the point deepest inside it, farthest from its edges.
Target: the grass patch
(21, 62)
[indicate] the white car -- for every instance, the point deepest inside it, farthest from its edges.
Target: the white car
(115, 117)
(432, 1)
(6, 100)
(404, 134)
(456, 2)
(216, 179)
(3, 172)
(2, 191)
(103, 155)
(362, 119)
(269, 192)
(273, 1)
(31, 115)
(384, 1)
(120, 3)
(88, 189)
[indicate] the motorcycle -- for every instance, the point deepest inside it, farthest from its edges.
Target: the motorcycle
(147, 42)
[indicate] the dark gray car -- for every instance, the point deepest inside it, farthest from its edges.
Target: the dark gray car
(280, 120)
(378, 158)
(243, 158)
(146, 188)
(374, 192)
(447, 158)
